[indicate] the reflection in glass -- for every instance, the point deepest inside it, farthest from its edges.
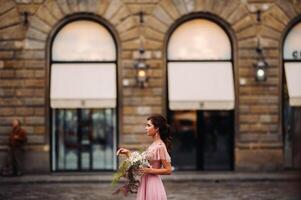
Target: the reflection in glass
(84, 139)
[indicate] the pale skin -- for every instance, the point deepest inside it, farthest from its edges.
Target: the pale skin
(152, 131)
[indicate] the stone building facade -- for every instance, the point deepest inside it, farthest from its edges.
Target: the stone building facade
(27, 30)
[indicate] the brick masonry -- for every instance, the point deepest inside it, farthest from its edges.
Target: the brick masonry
(24, 66)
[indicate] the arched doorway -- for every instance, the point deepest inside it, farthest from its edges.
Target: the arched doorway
(83, 97)
(201, 97)
(292, 97)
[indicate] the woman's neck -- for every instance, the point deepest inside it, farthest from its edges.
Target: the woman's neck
(156, 138)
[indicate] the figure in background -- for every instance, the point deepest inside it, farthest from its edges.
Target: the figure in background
(17, 141)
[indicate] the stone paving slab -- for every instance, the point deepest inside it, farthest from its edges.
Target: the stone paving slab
(185, 190)
(106, 177)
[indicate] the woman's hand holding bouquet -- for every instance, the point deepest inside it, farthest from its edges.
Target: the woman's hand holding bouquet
(135, 165)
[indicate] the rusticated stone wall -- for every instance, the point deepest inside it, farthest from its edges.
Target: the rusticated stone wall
(24, 68)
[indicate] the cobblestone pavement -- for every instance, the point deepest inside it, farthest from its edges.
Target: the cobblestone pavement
(176, 191)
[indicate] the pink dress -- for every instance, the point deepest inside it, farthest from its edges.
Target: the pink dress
(151, 186)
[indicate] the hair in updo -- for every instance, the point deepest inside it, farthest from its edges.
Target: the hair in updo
(160, 122)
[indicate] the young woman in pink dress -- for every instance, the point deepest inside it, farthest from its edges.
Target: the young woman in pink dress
(151, 186)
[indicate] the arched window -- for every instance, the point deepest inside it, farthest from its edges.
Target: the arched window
(200, 72)
(83, 97)
(201, 95)
(292, 97)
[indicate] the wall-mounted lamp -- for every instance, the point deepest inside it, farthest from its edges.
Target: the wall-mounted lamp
(24, 16)
(140, 64)
(260, 66)
(141, 69)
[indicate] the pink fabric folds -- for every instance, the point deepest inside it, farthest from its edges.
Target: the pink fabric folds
(151, 186)
(158, 151)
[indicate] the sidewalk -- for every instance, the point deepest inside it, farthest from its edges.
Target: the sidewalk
(106, 177)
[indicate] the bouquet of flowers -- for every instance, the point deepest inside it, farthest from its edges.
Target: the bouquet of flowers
(129, 169)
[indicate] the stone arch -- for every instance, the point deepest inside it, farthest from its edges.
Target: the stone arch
(53, 11)
(10, 28)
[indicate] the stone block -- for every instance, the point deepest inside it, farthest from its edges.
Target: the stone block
(39, 74)
(288, 8)
(9, 18)
(24, 111)
(29, 8)
(39, 130)
(154, 23)
(218, 6)
(279, 15)
(239, 13)
(6, 54)
(126, 24)
(73, 5)
(102, 6)
(153, 34)
(114, 6)
(7, 92)
(153, 45)
(258, 159)
(23, 1)
(39, 92)
(170, 8)
(35, 83)
(7, 111)
(230, 8)
(45, 15)
(6, 5)
(53, 7)
(36, 162)
(63, 4)
(35, 120)
(24, 73)
(248, 118)
(31, 54)
(34, 44)
(247, 33)
(181, 7)
(270, 33)
(244, 23)
(162, 15)
(36, 34)
(131, 45)
(8, 73)
(12, 32)
(10, 83)
(39, 24)
(24, 92)
(129, 34)
(34, 101)
(120, 16)
(40, 111)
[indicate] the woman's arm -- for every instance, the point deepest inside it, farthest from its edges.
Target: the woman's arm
(166, 170)
(124, 151)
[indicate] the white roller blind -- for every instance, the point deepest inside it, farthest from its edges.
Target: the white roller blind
(293, 79)
(200, 85)
(83, 85)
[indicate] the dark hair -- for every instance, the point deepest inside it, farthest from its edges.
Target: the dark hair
(160, 122)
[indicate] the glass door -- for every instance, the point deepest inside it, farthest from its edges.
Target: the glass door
(202, 140)
(83, 139)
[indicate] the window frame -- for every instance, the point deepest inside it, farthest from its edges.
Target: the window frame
(48, 110)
